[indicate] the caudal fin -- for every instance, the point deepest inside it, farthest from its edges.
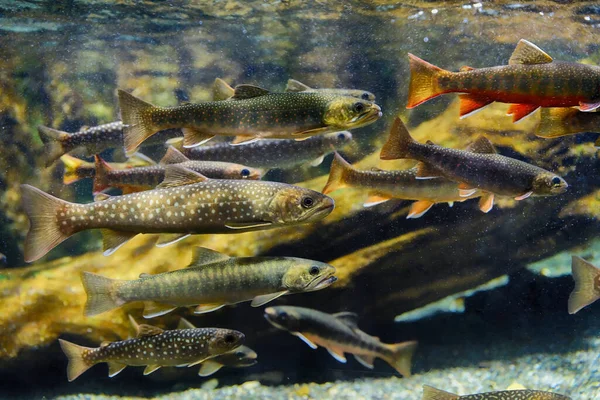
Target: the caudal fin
(423, 81)
(53, 143)
(398, 143)
(431, 393)
(337, 174)
(101, 178)
(557, 122)
(44, 228)
(101, 293)
(136, 115)
(78, 363)
(587, 284)
(72, 166)
(402, 357)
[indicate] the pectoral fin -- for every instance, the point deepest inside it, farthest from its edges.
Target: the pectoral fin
(365, 360)
(246, 225)
(470, 104)
(193, 137)
(375, 199)
(337, 354)
(419, 208)
(166, 239)
(112, 240)
(150, 369)
(114, 368)
(206, 308)
(588, 106)
(305, 340)
(317, 161)
(523, 196)
(465, 190)
(310, 132)
(153, 309)
(520, 111)
(209, 367)
(486, 202)
(265, 298)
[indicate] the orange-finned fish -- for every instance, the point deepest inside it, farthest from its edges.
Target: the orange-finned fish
(529, 81)
(431, 393)
(557, 122)
(477, 167)
(386, 185)
(587, 284)
(339, 334)
(76, 169)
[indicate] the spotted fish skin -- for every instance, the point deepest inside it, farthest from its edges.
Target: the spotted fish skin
(296, 86)
(431, 393)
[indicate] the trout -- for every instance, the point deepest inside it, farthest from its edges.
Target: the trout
(431, 393)
(185, 203)
(251, 114)
(76, 169)
(532, 79)
(587, 284)
(211, 281)
(296, 86)
(477, 167)
(339, 334)
(557, 122)
(153, 348)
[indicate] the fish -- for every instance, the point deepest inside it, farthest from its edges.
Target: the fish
(431, 393)
(478, 167)
(153, 348)
(587, 284)
(387, 185)
(296, 86)
(272, 153)
(185, 203)
(211, 281)
(252, 113)
(143, 178)
(557, 122)
(339, 334)
(532, 79)
(76, 169)
(90, 141)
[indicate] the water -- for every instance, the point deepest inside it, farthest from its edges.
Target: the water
(61, 65)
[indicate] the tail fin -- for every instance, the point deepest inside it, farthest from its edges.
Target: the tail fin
(44, 229)
(72, 165)
(402, 357)
(398, 143)
(101, 178)
(101, 293)
(77, 362)
(137, 121)
(337, 174)
(431, 393)
(587, 284)
(53, 143)
(557, 122)
(423, 81)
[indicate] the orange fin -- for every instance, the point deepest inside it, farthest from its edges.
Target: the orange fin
(419, 208)
(588, 106)
(71, 165)
(486, 202)
(469, 104)
(376, 198)
(423, 81)
(244, 139)
(528, 53)
(523, 196)
(587, 284)
(337, 353)
(337, 174)
(466, 68)
(520, 111)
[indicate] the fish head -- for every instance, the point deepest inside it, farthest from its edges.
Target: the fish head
(287, 318)
(548, 184)
(242, 172)
(243, 356)
(224, 341)
(308, 276)
(295, 205)
(347, 112)
(338, 139)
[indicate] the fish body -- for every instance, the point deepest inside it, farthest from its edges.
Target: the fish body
(339, 334)
(477, 167)
(273, 153)
(587, 284)
(557, 122)
(252, 113)
(211, 281)
(531, 80)
(153, 348)
(431, 393)
(296, 86)
(187, 203)
(76, 169)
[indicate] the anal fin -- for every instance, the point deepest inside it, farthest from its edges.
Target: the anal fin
(193, 137)
(336, 353)
(419, 208)
(114, 368)
(365, 360)
(306, 340)
(150, 369)
(520, 111)
(112, 240)
(523, 196)
(469, 104)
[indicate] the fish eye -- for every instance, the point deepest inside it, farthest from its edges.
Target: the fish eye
(283, 316)
(229, 338)
(365, 96)
(341, 136)
(239, 354)
(314, 270)
(358, 107)
(307, 202)
(245, 172)
(556, 181)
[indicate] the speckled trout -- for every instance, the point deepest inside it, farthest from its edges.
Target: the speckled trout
(153, 348)
(211, 281)
(431, 393)
(296, 86)
(76, 169)
(186, 203)
(530, 80)
(339, 334)
(252, 113)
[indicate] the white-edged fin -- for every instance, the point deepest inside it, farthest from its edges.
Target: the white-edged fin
(466, 192)
(206, 308)
(101, 197)
(113, 240)
(194, 137)
(246, 225)
(523, 196)
(114, 368)
(197, 362)
(176, 175)
(141, 159)
(450, 204)
(587, 284)
(166, 239)
(185, 324)
(528, 53)
(150, 369)
(152, 309)
(419, 208)
(586, 107)
(296, 86)
(265, 298)
(305, 340)
(337, 354)
(144, 330)
(317, 161)
(209, 367)
(242, 140)
(203, 256)
(486, 202)
(310, 132)
(145, 275)
(365, 360)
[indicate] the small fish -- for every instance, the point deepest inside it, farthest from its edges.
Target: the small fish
(90, 141)
(185, 203)
(153, 348)
(272, 153)
(296, 86)
(211, 281)
(587, 284)
(251, 114)
(477, 167)
(144, 178)
(76, 169)
(557, 122)
(387, 185)
(529, 81)
(431, 393)
(339, 334)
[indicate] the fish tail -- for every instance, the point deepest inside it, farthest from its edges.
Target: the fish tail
(431, 393)
(337, 174)
(136, 115)
(424, 81)
(77, 363)
(587, 284)
(101, 293)
(72, 165)
(402, 354)
(53, 143)
(44, 228)
(399, 143)
(554, 122)
(101, 177)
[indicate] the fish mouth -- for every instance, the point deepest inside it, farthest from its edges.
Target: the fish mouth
(368, 117)
(322, 282)
(320, 211)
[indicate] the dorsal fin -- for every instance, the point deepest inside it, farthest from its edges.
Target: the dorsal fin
(248, 92)
(466, 68)
(144, 330)
(176, 175)
(185, 324)
(528, 53)
(349, 318)
(221, 90)
(429, 143)
(101, 197)
(173, 156)
(481, 145)
(296, 86)
(203, 256)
